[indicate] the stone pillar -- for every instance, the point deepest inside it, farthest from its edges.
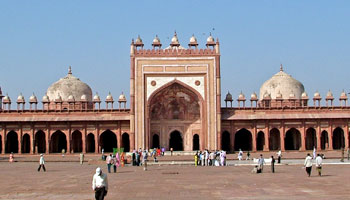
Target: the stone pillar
(282, 130)
(303, 135)
(119, 132)
(3, 138)
(346, 135)
(20, 138)
(69, 141)
(266, 136)
(32, 145)
(254, 138)
(318, 136)
(48, 141)
(132, 141)
(83, 139)
(330, 137)
(97, 140)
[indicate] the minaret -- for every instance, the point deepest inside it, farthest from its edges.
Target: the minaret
(1, 96)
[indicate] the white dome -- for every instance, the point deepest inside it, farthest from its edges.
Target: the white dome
(329, 94)
(241, 96)
(156, 39)
(97, 97)
(317, 94)
(138, 39)
(46, 98)
(122, 97)
(304, 95)
(343, 94)
(282, 83)
(210, 38)
(7, 98)
(175, 40)
(253, 96)
(109, 97)
(69, 85)
(33, 98)
(83, 97)
(193, 39)
(20, 97)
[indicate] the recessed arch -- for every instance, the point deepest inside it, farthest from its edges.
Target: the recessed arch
(108, 141)
(26, 143)
(243, 140)
(40, 141)
(338, 138)
(11, 142)
(77, 143)
(226, 141)
(126, 142)
(90, 143)
(155, 141)
(260, 141)
(195, 142)
(293, 139)
(176, 141)
(324, 140)
(310, 139)
(275, 139)
(58, 142)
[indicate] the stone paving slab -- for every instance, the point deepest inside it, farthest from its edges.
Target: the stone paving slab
(69, 180)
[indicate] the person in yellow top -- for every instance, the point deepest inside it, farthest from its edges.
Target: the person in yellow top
(196, 159)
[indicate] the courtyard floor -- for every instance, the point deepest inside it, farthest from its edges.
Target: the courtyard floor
(69, 180)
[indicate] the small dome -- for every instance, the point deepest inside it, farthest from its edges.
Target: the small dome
(282, 83)
(279, 95)
(241, 96)
(58, 98)
(210, 39)
(97, 98)
(175, 40)
(317, 94)
(122, 98)
(71, 98)
(228, 97)
(33, 99)
(46, 98)
(83, 97)
(109, 97)
(69, 85)
(253, 96)
(20, 98)
(138, 39)
(343, 94)
(266, 95)
(156, 39)
(292, 95)
(193, 39)
(329, 93)
(7, 98)
(304, 95)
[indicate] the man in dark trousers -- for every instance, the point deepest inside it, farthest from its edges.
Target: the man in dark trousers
(100, 184)
(41, 163)
(273, 164)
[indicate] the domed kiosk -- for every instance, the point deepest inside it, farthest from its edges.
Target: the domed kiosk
(283, 89)
(70, 91)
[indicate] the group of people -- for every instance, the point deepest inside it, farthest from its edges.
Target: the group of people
(140, 158)
(309, 162)
(113, 160)
(207, 158)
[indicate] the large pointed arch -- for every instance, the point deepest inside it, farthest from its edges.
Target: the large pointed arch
(243, 140)
(11, 142)
(58, 142)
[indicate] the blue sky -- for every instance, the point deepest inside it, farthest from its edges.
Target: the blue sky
(40, 39)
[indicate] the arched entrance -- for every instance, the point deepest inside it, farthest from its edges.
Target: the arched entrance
(0, 144)
(175, 141)
(171, 104)
(90, 143)
(324, 140)
(260, 141)
(12, 142)
(108, 141)
(126, 142)
(26, 143)
(155, 141)
(77, 143)
(338, 138)
(225, 141)
(310, 139)
(293, 139)
(243, 140)
(40, 142)
(195, 141)
(275, 139)
(58, 142)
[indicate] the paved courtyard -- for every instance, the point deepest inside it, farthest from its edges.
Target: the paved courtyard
(69, 180)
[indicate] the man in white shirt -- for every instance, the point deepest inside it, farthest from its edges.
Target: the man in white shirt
(41, 163)
(279, 155)
(308, 164)
(100, 184)
(319, 164)
(144, 160)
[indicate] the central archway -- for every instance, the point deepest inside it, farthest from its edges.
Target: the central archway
(77, 142)
(293, 139)
(171, 104)
(274, 140)
(338, 138)
(26, 143)
(260, 141)
(310, 139)
(12, 142)
(108, 141)
(90, 143)
(243, 140)
(58, 142)
(40, 142)
(175, 141)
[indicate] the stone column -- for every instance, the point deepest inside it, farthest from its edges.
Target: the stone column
(254, 138)
(303, 135)
(119, 143)
(318, 136)
(266, 137)
(282, 130)
(330, 137)
(3, 138)
(346, 135)
(83, 139)
(132, 141)
(69, 140)
(48, 141)
(32, 136)
(97, 141)
(20, 138)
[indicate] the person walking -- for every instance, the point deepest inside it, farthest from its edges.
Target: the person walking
(273, 164)
(261, 162)
(206, 157)
(248, 156)
(196, 159)
(109, 162)
(314, 153)
(144, 160)
(319, 164)
(41, 163)
(115, 162)
(308, 164)
(279, 156)
(100, 184)
(11, 158)
(240, 154)
(81, 158)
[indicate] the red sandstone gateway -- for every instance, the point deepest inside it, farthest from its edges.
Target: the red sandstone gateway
(175, 102)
